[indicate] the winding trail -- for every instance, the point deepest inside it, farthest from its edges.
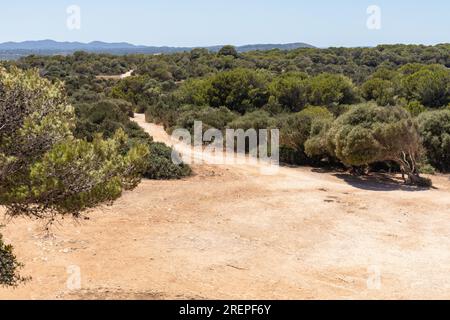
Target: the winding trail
(229, 232)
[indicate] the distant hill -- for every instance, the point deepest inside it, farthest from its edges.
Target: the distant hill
(15, 50)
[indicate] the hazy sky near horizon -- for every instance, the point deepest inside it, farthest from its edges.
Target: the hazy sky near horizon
(209, 22)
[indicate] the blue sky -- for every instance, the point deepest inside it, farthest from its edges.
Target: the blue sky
(209, 22)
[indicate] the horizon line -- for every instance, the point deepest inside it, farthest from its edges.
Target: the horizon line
(225, 44)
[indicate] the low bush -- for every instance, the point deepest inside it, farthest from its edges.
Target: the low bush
(9, 266)
(368, 134)
(434, 128)
(415, 108)
(108, 116)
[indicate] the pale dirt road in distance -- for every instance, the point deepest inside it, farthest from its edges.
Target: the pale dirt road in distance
(116, 77)
(231, 233)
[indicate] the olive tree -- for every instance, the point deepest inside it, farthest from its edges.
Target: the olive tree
(368, 134)
(328, 89)
(44, 170)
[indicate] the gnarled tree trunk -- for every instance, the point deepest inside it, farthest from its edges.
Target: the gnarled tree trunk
(410, 171)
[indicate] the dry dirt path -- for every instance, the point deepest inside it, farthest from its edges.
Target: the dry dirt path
(229, 232)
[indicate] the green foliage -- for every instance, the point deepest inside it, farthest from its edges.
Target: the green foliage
(159, 69)
(369, 134)
(329, 89)
(290, 91)
(228, 51)
(77, 175)
(296, 129)
(430, 85)
(9, 266)
(105, 117)
(275, 81)
(434, 129)
(253, 120)
(381, 91)
(239, 90)
(160, 164)
(140, 91)
(216, 118)
(427, 169)
(415, 108)
(316, 146)
(194, 91)
(164, 113)
(43, 168)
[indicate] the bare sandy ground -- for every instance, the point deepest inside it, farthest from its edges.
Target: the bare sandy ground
(231, 233)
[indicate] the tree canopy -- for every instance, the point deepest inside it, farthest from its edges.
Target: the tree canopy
(368, 134)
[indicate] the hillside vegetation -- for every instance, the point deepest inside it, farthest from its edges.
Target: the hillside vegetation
(68, 144)
(302, 92)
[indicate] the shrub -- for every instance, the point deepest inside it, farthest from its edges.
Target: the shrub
(160, 164)
(140, 91)
(9, 266)
(427, 169)
(253, 120)
(430, 85)
(273, 107)
(296, 129)
(415, 108)
(316, 145)
(328, 89)
(162, 113)
(290, 91)
(239, 90)
(105, 117)
(369, 134)
(194, 91)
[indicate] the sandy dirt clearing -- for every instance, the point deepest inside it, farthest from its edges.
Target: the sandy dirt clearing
(229, 232)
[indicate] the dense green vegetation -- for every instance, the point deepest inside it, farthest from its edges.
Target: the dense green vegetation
(302, 92)
(44, 169)
(369, 134)
(435, 132)
(68, 144)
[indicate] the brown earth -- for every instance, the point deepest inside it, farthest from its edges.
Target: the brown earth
(229, 232)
